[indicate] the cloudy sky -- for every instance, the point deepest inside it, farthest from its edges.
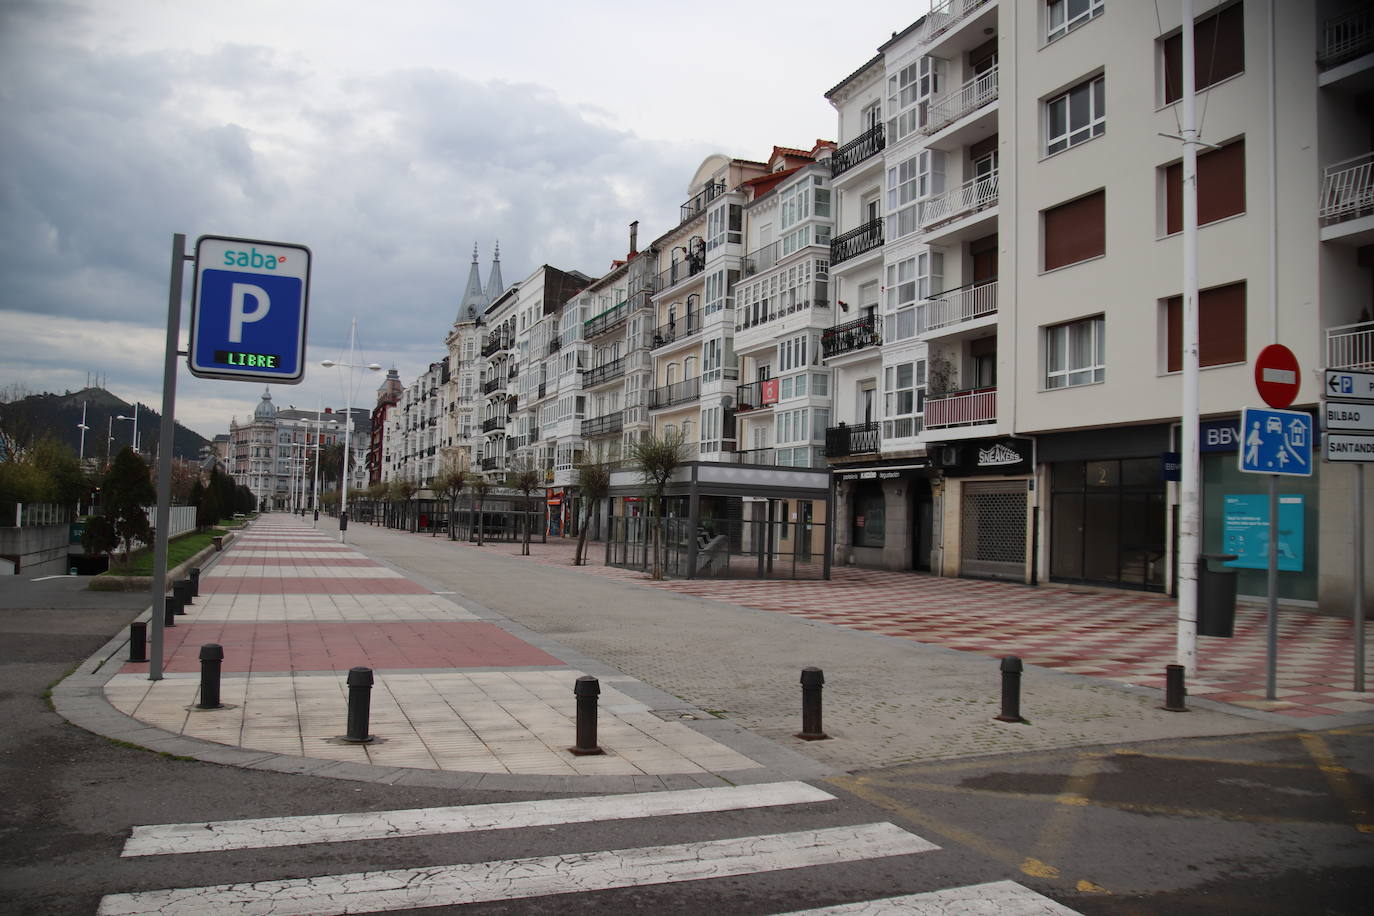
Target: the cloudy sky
(387, 137)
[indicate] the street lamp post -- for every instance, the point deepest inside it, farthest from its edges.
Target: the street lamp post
(315, 486)
(348, 422)
(134, 418)
(81, 456)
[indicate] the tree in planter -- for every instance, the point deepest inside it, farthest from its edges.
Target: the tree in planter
(526, 478)
(594, 482)
(657, 457)
(448, 483)
(480, 488)
(125, 490)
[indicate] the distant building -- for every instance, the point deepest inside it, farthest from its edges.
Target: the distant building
(271, 454)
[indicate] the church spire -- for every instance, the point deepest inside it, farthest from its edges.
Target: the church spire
(495, 287)
(474, 300)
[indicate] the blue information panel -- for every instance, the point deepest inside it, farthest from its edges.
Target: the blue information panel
(1246, 532)
(1276, 442)
(248, 312)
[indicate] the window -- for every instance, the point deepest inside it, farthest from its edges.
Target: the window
(1075, 231)
(1220, 187)
(1074, 353)
(908, 182)
(907, 282)
(912, 84)
(1218, 52)
(720, 290)
(1076, 116)
(904, 392)
(1063, 16)
(1221, 327)
(723, 225)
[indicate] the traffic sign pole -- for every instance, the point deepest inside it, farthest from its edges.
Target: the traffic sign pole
(1358, 615)
(1272, 623)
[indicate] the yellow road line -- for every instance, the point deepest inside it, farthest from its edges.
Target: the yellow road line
(1338, 777)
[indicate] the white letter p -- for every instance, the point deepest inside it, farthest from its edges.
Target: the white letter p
(238, 317)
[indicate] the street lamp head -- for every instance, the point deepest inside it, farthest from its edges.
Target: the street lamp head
(327, 363)
(122, 417)
(374, 367)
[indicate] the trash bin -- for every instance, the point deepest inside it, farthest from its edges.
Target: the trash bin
(1216, 595)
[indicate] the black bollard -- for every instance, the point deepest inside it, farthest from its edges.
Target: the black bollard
(211, 655)
(587, 689)
(359, 705)
(812, 681)
(1011, 690)
(138, 641)
(185, 586)
(195, 581)
(171, 607)
(1174, 691)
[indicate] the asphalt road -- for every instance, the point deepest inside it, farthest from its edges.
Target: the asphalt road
(1269, 823)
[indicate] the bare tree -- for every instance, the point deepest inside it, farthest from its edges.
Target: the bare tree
(448, 483)
(401, 490)
(480, 487)
(526, 478)
(657, 457)
(594, 482)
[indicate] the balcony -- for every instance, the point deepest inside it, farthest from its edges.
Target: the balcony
(850, 336)
(495, 344)
(677, 393)
(859, 439)
(491, 464)
(864, 146)
(944, 16)
(968, 98)
(1351, 346)
(679, 271)
(1347, 37)
(1347, 190)
(603, 426)
(555, 344)
(676, 329)
(608, 320)
(761, 259)
(604, 373)
(494, 384)
(492, 424)
(856, 241)
(763, 393)
(973, 195)
(956, 306)
(961, 408)
(697, 204)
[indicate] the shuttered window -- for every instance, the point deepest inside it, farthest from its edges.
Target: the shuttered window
(1076, 231)
(1220, 187)
(1218, 52)
(1221, 327)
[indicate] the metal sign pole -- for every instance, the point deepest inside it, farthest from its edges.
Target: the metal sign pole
(1359, 578)
(1271, 665)
(166, 439)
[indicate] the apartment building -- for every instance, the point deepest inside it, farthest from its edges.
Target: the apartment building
(416, 428)
(462, 421)
(273, 453)
(1009, 213)
(388, 395)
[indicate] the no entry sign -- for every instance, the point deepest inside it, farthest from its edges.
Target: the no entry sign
(1276, 376)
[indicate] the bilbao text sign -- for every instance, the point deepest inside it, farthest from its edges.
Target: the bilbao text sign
(248, 311)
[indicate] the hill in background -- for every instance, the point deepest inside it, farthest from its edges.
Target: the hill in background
(59, 416)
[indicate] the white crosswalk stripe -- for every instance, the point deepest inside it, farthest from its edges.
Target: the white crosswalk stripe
(544, 875)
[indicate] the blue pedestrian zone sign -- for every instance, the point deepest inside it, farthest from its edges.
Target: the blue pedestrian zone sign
(248, 310)
(1276, 442)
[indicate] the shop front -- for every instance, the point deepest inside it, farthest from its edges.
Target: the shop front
(885, 515)
(987, 524)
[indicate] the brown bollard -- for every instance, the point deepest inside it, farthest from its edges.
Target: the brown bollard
(812, 682)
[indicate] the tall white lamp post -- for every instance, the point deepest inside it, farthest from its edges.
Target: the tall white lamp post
(134, 418)
(83, 427)
(348, 423)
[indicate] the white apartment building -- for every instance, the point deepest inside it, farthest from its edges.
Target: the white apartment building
(462, 422)
(272, 455)
(1008, 197)
(417, 428)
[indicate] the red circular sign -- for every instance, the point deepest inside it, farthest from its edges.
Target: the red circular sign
(1276, 376)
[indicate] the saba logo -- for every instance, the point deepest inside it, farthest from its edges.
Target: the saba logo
(252, 258)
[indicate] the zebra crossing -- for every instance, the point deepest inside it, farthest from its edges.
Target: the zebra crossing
(537, 876)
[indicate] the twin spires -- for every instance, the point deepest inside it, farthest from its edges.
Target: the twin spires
(475, 297)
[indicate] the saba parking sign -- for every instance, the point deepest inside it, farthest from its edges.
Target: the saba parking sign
(248, 310)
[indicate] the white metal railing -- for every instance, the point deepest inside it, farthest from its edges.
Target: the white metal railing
(956, 306)
(974, 194)
(969, 97)
(1346, 37)
(943, 16)
(961, 408)
(1350, 346)
(1347, 189)
(31, 515)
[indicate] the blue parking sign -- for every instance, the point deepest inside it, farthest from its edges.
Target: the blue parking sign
(1276, 442)
(248, 311)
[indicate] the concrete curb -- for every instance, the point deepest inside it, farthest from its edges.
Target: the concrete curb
(144, 583)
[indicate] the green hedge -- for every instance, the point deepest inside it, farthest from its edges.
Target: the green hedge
(179, 550)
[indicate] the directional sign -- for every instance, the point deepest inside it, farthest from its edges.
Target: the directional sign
(1276, 442)
(1352, 416)
(1277, 377)
(1348, 386)
(1341, 447)
(248, 311)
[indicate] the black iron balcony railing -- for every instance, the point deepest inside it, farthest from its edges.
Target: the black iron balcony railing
(852, 335)
(555, 344)
(856, 241)
(543, 389)
(601, 426)
(608, 320)
(493, 423)
(867, 144)
(763, 393)
(493, 384)
(676, 393)
(491, 464)
(496, 343)
(698, 202)
(604, 373)
(678, 271)
(677, 329)
(859, 439)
